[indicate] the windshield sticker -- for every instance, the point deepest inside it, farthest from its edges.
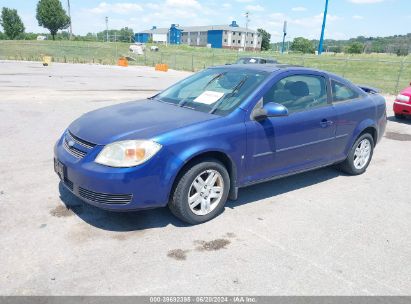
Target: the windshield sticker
(209, 97)
(252, 60)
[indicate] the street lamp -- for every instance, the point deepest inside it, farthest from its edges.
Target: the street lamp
(284, 34)
(320, 45)
(69, 14)
(107, 29)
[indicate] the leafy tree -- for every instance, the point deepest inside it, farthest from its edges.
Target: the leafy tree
(52, 16)
(355, 48)
(266, 37)
(11, 23)
(302, 45)
(402, 51)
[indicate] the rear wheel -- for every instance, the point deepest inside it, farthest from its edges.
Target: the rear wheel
(201, 192)
(360, 155)
(399, 116)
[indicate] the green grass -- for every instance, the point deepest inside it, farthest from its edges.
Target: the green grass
(383, 71)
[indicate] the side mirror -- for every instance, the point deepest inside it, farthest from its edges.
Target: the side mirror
(271, 109)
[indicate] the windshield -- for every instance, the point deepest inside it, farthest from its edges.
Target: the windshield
(248, 60)
(216, 90)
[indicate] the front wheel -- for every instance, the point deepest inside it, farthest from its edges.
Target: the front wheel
(201, 192)
(360, 155)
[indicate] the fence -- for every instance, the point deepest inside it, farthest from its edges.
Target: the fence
(388, 73)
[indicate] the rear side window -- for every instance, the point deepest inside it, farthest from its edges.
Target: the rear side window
(298, 92)
(342, 92)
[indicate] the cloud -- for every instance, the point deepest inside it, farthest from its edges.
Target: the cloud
(183, 4)
(314, 21)
(254, 8)
(358, 17)
(119, 8)
(365, 1)
(299, 9)
(245, 1)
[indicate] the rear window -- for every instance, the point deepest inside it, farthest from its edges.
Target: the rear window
(342, 92)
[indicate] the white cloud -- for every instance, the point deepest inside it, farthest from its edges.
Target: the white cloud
(183, 4)
(245, 1)
(358, 17)
(227, 5)
(314, 21)
(153, 6)
(254, 8)
(365, 1)
(299, 9)
(119, 8)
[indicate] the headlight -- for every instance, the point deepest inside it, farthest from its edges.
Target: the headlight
(403, 98)
(127, 153)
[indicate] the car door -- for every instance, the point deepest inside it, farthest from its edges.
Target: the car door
(299, 141)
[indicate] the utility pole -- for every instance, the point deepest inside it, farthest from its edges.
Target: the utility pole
(320, 45)
(69, 14)
(247, 21)
(284, 34)
(106, 28)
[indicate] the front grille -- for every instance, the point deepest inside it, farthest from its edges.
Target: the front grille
(72, 150)
(79, 141)
(105, 198)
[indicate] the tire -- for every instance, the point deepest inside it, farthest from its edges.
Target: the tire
(352, 165)
(399, 116)
(190, 185)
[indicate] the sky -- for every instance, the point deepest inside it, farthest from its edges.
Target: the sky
(345, 19)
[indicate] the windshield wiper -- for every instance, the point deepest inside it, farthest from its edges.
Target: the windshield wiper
(184, 101)
(214, 79)
(234, 90)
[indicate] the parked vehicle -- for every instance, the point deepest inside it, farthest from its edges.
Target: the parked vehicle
(256, 60)
(192, 146)
(402, 104)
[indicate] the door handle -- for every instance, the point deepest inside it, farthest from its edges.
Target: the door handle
(326, 123)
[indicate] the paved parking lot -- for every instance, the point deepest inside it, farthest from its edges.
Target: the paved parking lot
(318, 233)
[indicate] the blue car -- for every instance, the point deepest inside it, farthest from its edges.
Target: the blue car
(192, 146)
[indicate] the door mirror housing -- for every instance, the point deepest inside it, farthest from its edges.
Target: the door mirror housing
(270, 109)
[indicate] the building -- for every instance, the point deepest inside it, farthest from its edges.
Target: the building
(216, 36)
(157, 35)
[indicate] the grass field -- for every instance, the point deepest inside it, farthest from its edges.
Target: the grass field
(386, 72)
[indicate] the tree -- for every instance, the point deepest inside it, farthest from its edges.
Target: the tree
(302, 45)
(11, 23)
(265, 39)
(355, 48)
(52, 16)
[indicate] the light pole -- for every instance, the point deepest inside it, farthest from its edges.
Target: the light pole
(69, 14)
(106, 29)
(247, 21)
(284, 34)
(320, 45)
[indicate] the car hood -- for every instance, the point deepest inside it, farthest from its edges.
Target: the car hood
(134, 120)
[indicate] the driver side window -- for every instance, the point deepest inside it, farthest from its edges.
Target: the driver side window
(298, 92)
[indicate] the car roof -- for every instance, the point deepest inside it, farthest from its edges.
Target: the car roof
(270, 68)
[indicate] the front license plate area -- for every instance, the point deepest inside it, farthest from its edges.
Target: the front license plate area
(60, 169)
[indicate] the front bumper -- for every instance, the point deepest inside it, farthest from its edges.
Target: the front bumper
(119, 189)
(402, 108)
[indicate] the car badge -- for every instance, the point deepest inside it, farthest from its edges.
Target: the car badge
(71, 143)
